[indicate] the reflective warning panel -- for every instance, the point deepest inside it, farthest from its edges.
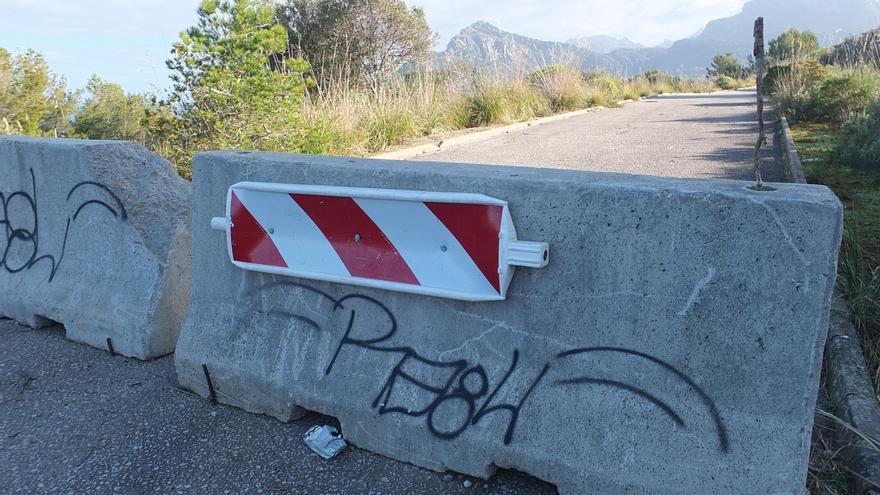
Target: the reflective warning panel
(453, 245)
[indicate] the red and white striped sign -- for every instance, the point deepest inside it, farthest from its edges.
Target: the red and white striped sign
(454, 245)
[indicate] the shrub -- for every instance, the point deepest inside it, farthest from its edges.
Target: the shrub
(791, 85)
(389, 125)
(726, 82)
(523, 102)
(860, 144)
(485, 105)
(692, 85)
(656, 76)
(804, 72)
(843, 96)
(458, 112)
(635, 92)
(561, 86)
(606, 89)
(323, 136)
(725, 65)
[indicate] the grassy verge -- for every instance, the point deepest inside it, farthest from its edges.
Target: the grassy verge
(859, 190)
(859, 266)
(347, 121)
(827, 474)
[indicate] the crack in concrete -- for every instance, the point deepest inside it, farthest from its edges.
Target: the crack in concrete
(787, 238)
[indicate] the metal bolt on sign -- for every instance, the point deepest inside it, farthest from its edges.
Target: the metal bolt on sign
(453, 245)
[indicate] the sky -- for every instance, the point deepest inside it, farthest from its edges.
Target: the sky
(128, 41)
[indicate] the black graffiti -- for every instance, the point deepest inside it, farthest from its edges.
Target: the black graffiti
(723, 441)
(20, 223)
(454, 395)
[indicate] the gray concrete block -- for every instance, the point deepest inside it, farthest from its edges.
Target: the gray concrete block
(95, 235)
(672, 345)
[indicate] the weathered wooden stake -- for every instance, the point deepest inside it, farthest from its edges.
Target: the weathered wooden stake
(759, 82)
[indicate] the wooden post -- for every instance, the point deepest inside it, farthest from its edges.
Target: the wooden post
(759, 83)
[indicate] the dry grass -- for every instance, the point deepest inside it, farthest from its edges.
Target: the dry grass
(828, 473)
(342, 120)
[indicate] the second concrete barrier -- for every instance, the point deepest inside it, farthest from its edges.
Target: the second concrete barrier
(94, 235)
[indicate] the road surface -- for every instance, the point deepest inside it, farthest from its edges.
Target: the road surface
(77, 420)
(700, 136)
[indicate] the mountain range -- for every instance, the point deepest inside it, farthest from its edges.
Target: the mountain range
(484, 45)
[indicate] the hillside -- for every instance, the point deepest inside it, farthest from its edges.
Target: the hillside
(485, 45)
(831, 20)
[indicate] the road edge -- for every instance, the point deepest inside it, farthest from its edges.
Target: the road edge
(846, 373)
(477, 136)
(853, 399)
(793, 167)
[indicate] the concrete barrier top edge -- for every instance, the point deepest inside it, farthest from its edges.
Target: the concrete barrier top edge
(782, 191)
(67, 142)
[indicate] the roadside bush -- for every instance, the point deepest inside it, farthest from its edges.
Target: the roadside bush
(860, 144)
(657, 77)
(804, 72)
(860, 285)
(652, 82)
(843, 96)
(726, 82)
(485, 105)
(692, 85)
(389, 125)
(325, 136)
(635, 91)
(458, 112)
(561, 86)
(606, 89)
(523, 102)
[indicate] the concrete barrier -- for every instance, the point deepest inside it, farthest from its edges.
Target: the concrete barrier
(672, 345)
(94, 235)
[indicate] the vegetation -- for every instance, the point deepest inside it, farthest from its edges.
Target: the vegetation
(863, 49)
(835, 115)
(727, 72)
(33, 100)
(356, 42)
(348, 77)
(793, 45)
(108, 112)
(725, 65)
(233, 86)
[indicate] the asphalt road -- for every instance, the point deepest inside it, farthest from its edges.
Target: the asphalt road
(701, 136)
(77, 420)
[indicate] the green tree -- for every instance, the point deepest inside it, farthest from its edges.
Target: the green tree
(233, 88)
(33, 100)
(5, 89)
(109, 113)
(725, 65)
(793, 45)
(356, 41)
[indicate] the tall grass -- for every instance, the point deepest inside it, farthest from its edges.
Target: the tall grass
(859, 283)
(340, 119)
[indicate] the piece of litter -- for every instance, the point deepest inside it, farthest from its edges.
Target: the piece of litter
(325, 440)
(467, 483)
